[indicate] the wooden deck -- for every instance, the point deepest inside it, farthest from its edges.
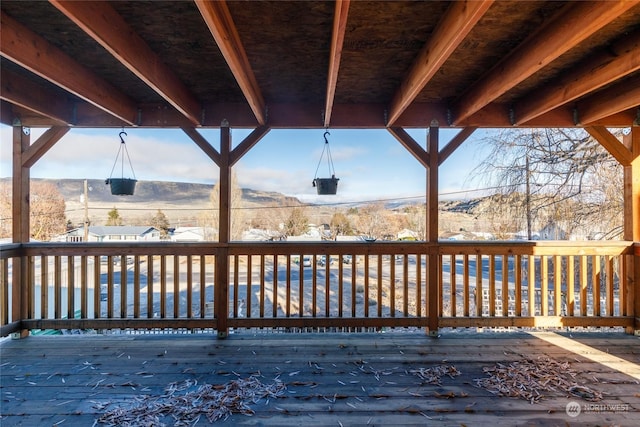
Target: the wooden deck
(326, 379)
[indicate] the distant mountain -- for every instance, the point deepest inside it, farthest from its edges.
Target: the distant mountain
(162, 191)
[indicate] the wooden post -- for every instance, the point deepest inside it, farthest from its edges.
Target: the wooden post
(632, 224)
(224, 233)
(20, 223)
(433, 290)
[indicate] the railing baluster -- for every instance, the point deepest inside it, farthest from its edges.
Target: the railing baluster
(571, 271)
(262, 286)
(405, 281)
(479, 299)
(176, 286)
(366, 285)
(492, 285)
(557, 285)
(189, 286)
(203, 286)
(466, 284)
(300, 286)
(454, 285)
(97, 287)
(71, 272)
(314, 285)
(236, 285)
(544, 288)
(249, 281)
(583, 264)
(44, 286)
(150, 290)
(609, 284)
(517, 273)
(274, 299)
(340, 286)
(124, 285)
(327, 286)
(380, 290)
(392, 285)
(441, 286)
(163, 286)
(354, 283)
(596, 276)
(505, 286)
(288, 285)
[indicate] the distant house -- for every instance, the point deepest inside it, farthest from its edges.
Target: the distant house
(114, 233)
(187, 234)
(552, 231)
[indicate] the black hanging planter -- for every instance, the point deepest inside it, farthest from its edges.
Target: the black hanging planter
(326, 186)
(122, 186)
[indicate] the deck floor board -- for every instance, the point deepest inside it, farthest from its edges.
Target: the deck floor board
(331, 379)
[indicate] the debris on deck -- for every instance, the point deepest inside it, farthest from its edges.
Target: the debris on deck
(528, 379)
(186, 404)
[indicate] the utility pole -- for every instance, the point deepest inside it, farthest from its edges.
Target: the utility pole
(86, 211)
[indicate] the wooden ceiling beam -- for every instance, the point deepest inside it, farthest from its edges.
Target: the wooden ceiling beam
(458, 21)
(218, 18)
(27, 49)
(615, 63)
(337, 40)
(19, 90)
(102, 23)
(574, 23)
(614, 99)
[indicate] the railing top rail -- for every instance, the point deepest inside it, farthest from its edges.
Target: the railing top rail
(443, 247)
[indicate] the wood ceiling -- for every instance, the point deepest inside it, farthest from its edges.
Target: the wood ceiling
(314, 64)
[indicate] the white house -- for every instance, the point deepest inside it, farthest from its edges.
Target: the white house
(114, 233)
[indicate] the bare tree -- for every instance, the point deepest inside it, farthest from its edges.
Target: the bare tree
(297, 223)
(340, 225)
(46, 211)
(372, 222)
(563, 177)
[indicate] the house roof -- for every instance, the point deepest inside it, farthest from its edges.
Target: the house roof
(119, 230)
(316, 64)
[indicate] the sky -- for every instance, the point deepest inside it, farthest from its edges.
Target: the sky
(371, 164)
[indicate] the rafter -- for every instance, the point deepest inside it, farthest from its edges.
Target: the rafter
(619, 97)
(100, 21)
(460, 18)
(218, 18)
(573, 24)
(27, 49)
(337, 40)
(615, 63)
(21, 91)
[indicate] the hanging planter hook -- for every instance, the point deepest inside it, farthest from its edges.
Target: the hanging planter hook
(122, 186)
(326, 185)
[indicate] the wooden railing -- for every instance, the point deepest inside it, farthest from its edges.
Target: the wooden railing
(344, 286)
